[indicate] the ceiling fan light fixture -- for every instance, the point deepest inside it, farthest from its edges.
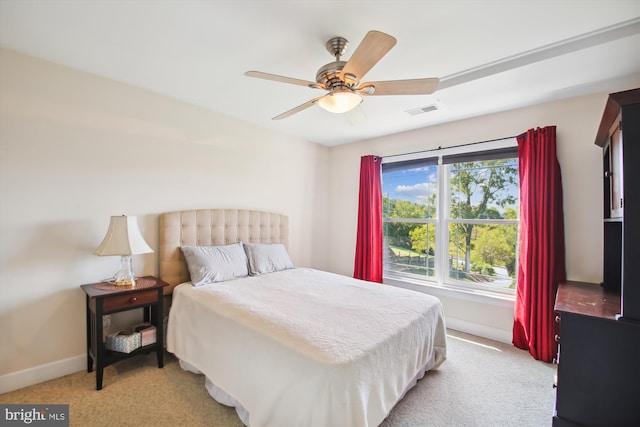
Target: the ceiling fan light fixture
(340, 102)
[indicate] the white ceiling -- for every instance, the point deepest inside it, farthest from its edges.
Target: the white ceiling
(490, 55)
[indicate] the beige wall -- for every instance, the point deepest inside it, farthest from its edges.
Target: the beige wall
(76, 149)
(577, 121)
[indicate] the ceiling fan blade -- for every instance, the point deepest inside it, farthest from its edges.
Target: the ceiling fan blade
(355, 116)
(297, 109)
(373, 47)
(400, 87)
(283, 79)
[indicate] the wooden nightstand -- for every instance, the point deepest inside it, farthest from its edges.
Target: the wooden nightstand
(105, 298)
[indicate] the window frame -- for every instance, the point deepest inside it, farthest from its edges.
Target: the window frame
(471, 152)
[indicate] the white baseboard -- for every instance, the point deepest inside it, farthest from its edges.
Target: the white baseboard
(479, 330)
(42, 373)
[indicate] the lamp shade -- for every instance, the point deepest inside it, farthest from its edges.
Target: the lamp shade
(340, 101)
(123, 238)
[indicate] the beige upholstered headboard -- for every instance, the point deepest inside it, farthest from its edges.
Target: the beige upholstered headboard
(208, 227)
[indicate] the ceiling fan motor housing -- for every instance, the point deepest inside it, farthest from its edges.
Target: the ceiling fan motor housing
(329, 75)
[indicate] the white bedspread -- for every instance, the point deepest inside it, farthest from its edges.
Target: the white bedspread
(308, 348)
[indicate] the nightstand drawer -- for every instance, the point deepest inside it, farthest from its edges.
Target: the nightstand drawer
(118, 302)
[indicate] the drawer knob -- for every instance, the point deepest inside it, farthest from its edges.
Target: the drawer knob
(133, 299)
(557, 319)
(556, 338)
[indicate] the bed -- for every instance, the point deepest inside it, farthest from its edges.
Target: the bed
(285, 345)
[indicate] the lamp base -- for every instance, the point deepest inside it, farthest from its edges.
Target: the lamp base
(125, 277)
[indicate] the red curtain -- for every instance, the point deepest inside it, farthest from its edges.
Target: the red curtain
(368, 262)
(541, 256)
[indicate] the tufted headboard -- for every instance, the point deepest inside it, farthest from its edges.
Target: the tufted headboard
(208, 227)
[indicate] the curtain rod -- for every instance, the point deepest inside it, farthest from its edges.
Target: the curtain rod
(454, 146)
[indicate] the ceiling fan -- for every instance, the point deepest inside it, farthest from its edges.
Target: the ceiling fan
(341, 79)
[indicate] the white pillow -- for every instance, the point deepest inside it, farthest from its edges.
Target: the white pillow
(267, 258)
(210, 264)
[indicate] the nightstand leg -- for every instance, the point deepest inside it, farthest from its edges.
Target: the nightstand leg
(89, 358)
(160, 358)
(99, 372)
(156, 317)
(98, 343)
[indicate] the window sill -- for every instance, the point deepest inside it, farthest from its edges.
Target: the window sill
(503, 300)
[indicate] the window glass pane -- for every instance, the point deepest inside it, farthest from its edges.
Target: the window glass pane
(484, 190)
(483, 254)
(410, 248)
(409, 203)
(410, 193)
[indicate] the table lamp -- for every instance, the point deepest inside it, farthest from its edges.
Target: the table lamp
(123, 238)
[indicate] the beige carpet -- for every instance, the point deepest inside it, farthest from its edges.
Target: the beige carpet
(482, 383)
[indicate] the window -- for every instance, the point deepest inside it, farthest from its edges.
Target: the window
(452, 220)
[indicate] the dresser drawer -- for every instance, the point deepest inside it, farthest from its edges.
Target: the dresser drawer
(119, 302)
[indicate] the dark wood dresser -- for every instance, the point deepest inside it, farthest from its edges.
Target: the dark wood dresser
(598, 382)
